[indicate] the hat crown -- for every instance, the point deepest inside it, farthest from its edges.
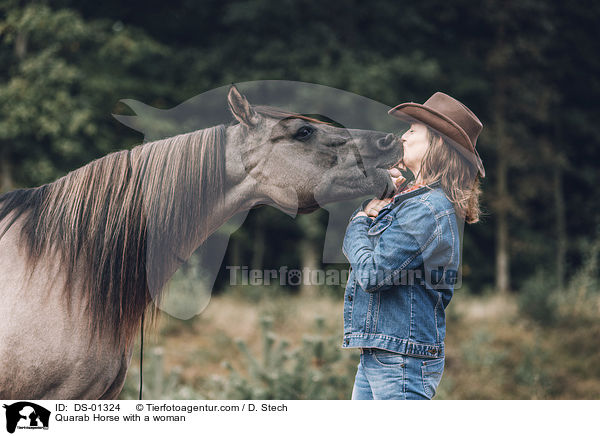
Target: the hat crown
(457, 112)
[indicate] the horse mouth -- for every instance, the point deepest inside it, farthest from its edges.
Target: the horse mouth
(388, 187)
(399, 164)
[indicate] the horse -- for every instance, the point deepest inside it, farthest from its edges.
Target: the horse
(77, 272)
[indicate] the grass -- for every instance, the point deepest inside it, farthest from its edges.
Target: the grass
(493, 350)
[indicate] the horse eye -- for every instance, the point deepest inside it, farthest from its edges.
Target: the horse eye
(304, 133)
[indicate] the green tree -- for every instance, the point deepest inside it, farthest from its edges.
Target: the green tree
(61, 78)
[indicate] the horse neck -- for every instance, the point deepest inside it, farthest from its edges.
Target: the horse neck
(189, 189)
(241, 191)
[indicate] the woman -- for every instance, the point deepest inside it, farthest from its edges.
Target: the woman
(404, 253)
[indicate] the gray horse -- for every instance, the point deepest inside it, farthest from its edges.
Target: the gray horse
(82, 258)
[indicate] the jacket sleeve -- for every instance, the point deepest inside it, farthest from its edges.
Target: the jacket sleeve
(410, 237)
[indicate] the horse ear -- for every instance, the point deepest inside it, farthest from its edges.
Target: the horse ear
(240, 108)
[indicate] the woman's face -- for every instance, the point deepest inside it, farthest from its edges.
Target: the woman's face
(415, 142)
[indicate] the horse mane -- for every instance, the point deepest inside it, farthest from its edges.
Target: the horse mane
(107, 218)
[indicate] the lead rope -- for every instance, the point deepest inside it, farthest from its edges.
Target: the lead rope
(141, 355)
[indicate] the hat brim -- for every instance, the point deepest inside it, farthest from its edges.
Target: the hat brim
(414, 112)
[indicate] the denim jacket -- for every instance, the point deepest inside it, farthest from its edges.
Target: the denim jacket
(403, 268)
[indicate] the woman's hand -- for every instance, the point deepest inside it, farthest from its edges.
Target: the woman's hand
(397, 176)
(374, 206)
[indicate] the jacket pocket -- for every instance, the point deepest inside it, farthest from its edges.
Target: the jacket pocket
(387, 358)
(431, 373)
(380, 225)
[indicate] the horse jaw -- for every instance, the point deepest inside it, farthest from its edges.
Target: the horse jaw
(349, 182)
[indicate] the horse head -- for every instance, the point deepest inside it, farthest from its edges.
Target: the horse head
(301, 162)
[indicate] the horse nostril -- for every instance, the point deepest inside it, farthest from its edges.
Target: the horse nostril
(387, 142)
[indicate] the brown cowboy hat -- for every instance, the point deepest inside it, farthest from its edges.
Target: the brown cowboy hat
(450, 117)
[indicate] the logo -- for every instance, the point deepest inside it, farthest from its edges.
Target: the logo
(26, 415)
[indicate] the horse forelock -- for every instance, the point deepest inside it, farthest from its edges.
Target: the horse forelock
(106, 219)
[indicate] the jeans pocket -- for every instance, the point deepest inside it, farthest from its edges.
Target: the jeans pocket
(431, 373)
(387, 358)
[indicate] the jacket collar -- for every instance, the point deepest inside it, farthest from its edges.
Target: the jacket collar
(400, 198)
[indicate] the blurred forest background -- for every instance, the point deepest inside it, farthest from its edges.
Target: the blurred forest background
(525, 323)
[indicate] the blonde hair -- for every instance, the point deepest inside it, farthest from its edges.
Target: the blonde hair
(459, 178)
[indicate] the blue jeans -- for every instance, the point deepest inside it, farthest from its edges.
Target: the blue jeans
(383, 375)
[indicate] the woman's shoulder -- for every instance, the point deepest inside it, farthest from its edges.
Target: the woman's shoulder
(432, 199)
(427, 214)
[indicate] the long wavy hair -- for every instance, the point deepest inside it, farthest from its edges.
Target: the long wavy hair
(460, 179)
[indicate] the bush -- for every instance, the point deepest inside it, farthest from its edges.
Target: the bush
(537, 299)
(318, 369)
(541, 301)
(158, 383)
(580, 302)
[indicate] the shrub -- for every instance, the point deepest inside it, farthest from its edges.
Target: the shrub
(158, 384)
(318, 369)
(537, 299)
